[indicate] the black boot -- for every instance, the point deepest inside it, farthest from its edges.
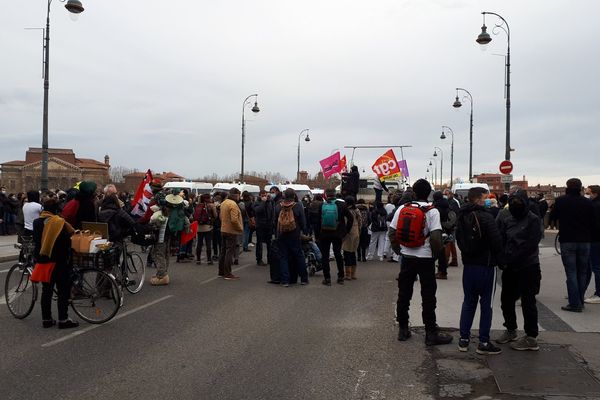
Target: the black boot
(436, 338)
(404, 333)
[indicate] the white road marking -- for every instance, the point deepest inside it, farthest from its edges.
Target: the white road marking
(92, 327)
(3, 300)
(361, 377)
(4, 271)
(120, 315)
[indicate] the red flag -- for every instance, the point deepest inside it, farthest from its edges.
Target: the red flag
(343, 165)
(189, 236)
(143, 195)
(386, 166)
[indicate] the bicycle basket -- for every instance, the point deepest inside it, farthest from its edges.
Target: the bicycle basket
(142, 239)
(104, 260)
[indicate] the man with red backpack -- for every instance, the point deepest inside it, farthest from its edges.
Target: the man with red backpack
(416, 233)
(205, 213)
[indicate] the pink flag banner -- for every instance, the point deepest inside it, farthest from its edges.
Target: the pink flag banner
(331, 164)
(404, 168)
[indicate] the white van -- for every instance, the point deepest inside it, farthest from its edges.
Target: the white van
(301, 190)
(224, 187)
(196, 188)
(462, 189)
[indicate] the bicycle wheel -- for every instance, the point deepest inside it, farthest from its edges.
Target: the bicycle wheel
(557, 244)
(95, 296)
(136, 273)
(20, 293)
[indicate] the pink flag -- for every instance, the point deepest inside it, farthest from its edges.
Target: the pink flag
(331, 164)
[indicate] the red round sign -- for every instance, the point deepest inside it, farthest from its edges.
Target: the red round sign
(506, 167)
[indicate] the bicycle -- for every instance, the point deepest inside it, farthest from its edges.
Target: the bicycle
(130, 270)
(95, 295)
(557, 244)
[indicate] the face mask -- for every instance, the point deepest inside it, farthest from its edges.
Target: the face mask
(446, 197)
(487, 203)
(587, 196)
(4, 192)
(272, 195)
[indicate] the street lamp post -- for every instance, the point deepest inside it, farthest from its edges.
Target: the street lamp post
(441, 163)
(75, 7)
(433, 162)
(483, 39)
(255, 109)
(443, 136)
(306, 139)
(458, 104)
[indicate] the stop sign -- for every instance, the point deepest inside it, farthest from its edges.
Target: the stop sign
(506, 167)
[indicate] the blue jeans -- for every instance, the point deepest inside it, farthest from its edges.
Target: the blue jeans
(595, 262)
(576, 260)
(289, 248)
(479, 285)
(246, 235)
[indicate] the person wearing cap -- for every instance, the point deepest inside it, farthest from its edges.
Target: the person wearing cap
(232, 227)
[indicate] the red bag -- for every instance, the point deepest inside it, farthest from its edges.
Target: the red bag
(188, 236)
(411, 224)
(42, 272)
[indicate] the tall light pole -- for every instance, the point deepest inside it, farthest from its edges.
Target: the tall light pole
(306, 139)
(483, 39)
(428, 172)
(443, 136)
(255, 109)
(433, 162)
(75, 7)
(441, 163)
(458, 104)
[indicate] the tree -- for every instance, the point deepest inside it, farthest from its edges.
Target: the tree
(117, 173)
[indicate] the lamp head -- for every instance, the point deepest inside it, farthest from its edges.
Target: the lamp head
(255, 109)
(484, 38)
(457, 103)
(307, 138)
(74, 6)
(430, 164)
(435, 153)
(443, 135)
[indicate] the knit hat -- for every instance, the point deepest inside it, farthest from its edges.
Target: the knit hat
(87, 187)
(156, 185)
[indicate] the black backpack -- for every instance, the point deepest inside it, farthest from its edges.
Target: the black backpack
(468, 233)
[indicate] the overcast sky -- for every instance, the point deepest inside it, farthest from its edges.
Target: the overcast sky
(160, 84)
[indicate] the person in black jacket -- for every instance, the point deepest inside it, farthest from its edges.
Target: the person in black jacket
(263, 213)
(328, 238)
(594, 194)
(480, 244)
(119, 222)
(521, 234)
(288, 242)
(575, 215)
(350, 182)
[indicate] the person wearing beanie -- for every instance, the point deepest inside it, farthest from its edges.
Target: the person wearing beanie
(419, 261)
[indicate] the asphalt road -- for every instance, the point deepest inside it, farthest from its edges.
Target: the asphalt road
(205, 338)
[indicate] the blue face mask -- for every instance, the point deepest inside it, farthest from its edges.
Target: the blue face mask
(487, 203)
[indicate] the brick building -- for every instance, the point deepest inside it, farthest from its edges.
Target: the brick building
(132, 181)
(495, 183)
(64, 170)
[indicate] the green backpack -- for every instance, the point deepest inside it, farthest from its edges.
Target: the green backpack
(329, 216)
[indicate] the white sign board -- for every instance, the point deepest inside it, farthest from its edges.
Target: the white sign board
(506, 178)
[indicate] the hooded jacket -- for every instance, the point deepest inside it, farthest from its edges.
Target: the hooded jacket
(263, 212)
(119, 222)
(575, 215)
(520, 231)
(491, 242)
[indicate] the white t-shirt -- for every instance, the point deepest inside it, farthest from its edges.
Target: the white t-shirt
(432, 223)
(389, 208)
(31, 212)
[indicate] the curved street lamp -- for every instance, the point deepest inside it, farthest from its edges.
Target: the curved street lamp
(458, 104)
(484, 39)
(435, 149)
(306, 139)
(75, 7)
(443, 136)
(255, 109)
(433, 163)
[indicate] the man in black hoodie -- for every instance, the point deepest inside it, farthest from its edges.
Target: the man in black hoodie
(480, 244)
(594, 194)
(575, 216)
(521, 234)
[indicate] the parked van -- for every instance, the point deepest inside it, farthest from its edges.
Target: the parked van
(462, 189)
(196, 188)
(301, 190)
(224, 187)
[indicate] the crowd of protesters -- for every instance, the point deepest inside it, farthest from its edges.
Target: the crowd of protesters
(491, 232)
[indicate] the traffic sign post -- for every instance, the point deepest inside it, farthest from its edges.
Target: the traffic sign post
(506, 167)
(506, 178)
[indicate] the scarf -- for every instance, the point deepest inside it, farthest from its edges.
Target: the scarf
(53, 226)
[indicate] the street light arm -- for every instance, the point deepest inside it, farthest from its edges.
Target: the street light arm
(468, 95)
(501, 26)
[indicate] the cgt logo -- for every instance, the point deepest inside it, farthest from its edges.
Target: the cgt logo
(385, 167)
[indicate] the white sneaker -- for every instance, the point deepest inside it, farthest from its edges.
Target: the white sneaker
(250, 245)
(593, 300)
(380, 258)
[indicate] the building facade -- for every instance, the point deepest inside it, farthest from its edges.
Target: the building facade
(64, 170)
(495, 183)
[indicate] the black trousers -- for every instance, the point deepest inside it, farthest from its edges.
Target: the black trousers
(61, 277)
(263, 235)
(325, 244)
(442, 262)
(205, 237)
(523, 282)
(409, 269)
